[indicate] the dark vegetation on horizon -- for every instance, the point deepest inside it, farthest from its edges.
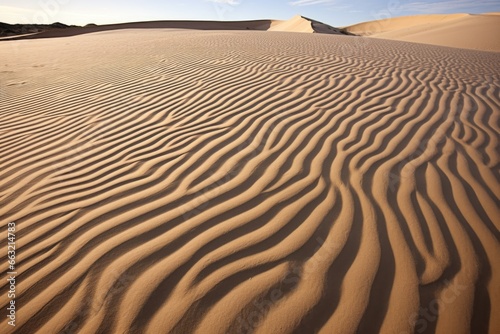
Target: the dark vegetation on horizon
(21, 29)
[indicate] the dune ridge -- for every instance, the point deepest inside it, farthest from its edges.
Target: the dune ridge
(470, 31)
(237, 182)
(306, 25)
(401, 22)
(296, 24)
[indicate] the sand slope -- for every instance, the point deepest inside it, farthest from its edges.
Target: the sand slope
(478, 32)
(303, 24)
(239, 182)
(295, 24)
(194, 25)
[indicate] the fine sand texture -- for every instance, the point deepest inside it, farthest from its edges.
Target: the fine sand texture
(181, 181)
(479, 32)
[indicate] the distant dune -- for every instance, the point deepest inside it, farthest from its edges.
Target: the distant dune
(306, 25)
(296, 24)
(228, 181)
(478, 32)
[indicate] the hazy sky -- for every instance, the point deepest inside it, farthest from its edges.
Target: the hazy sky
(334, 12)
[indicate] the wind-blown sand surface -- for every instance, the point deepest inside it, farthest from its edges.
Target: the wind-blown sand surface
(479, 32)
(173, 181)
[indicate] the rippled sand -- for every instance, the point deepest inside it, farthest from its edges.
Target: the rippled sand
(169, 181)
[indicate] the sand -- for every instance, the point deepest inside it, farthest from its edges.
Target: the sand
(303, 24)
(181, 181)
(295, 24)
(478, 32)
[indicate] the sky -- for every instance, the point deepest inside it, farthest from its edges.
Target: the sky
(334, 12)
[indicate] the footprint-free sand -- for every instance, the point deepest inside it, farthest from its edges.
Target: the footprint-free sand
(182, 181)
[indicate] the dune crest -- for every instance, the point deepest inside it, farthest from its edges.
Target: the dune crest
(296, 24)
(398, 23)
(479, 32)
(305, 25)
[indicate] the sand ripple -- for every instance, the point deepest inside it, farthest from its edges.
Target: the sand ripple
(238, 182)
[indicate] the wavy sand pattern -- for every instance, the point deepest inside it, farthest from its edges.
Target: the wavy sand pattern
(250, 182)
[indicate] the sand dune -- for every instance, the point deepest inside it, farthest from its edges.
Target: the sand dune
(303, 24)
(239, 182)
(296, 24)
(478, 32)
(194, 25)
(399, 23)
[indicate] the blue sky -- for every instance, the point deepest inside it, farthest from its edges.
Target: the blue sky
(333, 12)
